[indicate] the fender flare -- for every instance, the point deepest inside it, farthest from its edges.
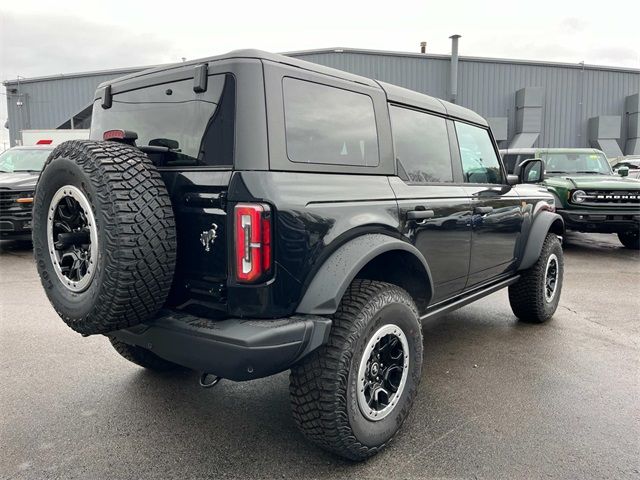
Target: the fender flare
(334, 276)
(541, 226)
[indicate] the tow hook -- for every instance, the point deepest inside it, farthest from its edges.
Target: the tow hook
(209, 380)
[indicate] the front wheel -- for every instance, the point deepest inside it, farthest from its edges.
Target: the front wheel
(352, 395)
(535, 297)
(630, 239)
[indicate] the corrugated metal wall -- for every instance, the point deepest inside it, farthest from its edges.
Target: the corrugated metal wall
(50, 102)
(571, 94)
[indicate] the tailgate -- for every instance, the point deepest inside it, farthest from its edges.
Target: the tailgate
(199, 199)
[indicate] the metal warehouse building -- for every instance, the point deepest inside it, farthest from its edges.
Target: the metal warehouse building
(527, 103)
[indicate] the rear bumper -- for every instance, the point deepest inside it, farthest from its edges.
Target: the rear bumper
(234, 349)
(605, 221)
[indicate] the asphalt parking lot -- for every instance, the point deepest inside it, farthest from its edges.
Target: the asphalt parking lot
(498, 399)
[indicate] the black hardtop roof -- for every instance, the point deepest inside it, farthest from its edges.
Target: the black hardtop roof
(394, 93)
(420, 100)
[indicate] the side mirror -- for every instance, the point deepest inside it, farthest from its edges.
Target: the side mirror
(623, 171)
(530, 171)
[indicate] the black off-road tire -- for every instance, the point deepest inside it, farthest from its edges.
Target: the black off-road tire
(323, 386)
(527, 297)
(630, 239)
(143, 357)
(135, 230)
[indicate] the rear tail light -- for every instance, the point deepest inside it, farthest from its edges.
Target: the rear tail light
(252, 242)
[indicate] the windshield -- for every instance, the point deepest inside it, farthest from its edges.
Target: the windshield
(23, 160)
(575, 162)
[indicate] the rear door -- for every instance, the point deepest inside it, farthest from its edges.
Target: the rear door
(189, 135)
(434, 211)
(497, 212)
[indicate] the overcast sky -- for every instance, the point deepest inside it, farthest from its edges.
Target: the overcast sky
(45, 37)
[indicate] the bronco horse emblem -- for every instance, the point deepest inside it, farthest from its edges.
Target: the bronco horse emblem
(208, 237)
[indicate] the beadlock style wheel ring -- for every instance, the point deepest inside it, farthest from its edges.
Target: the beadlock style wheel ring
(551, 273)
(383, 372)
(72, 238)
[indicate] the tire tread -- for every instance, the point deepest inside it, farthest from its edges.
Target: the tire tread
(526, 296)
(139, 229)
(318, 385)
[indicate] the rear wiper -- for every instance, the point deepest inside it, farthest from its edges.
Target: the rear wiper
(27, 170)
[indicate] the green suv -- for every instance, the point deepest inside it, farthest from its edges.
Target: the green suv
(589, 195)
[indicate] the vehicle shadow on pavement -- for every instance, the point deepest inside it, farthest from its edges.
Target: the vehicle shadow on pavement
(14, 247)
(246, 429)
(599, 244)
(234, 429)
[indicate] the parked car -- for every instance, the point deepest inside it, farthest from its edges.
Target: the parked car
(251, 213)
(589, 196)
(19, 170)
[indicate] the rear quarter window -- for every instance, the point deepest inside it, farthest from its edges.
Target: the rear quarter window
(198, 127)
(329, 125)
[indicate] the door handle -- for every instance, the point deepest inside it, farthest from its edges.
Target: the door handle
(420, 215)
(483, 210)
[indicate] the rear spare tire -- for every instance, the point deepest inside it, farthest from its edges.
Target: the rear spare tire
(103, 235)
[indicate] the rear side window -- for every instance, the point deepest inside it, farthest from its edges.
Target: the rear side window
(421, 145)
(198, 128)
(480, 162)
(329, 125)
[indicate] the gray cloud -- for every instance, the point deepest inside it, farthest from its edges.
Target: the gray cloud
(34, 45)
(617, 55)
(573, 24)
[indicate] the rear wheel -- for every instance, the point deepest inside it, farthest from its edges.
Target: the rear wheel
(535, 297)
(630, 239)
(143, 357)
(352, 395)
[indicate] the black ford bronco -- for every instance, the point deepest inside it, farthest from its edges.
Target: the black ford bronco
(251, 213)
